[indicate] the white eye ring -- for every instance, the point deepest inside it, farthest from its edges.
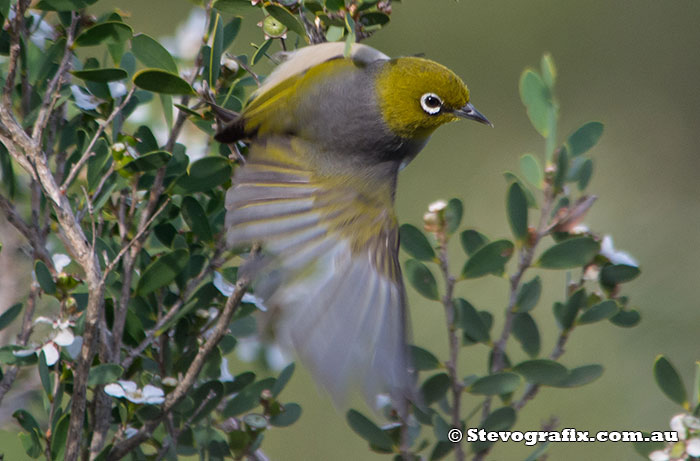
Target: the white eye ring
(431, 103)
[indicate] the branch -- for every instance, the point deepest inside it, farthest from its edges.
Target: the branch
(122, 448)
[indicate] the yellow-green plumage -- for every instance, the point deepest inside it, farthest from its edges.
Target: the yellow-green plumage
(327, 136)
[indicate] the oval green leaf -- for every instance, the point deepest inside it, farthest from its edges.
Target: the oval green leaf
(496, 384)
(148, 162)
(196, 218)
(109, 32)
(369, 431)
(470, 321)
(43, 276)
(583, 139)
(161, 81)
(290, 415)
(535, 97)
(532, 170)
(472, 240)
(205, 174)
(283, 378)
(101, 75)
(571, 253)
(615, 274)
(542, 371)
(516, 204)
(581, 376)
(626, 318)
(601, 311)
(500, 420)
(453, 215)
(529, 295)
(103, 374)
(421, 359)
(152, 54)
(415, 243)
(669, 381)
(162, 271)
(284, 16)
(9, 315)
(490, 259)
(526, 332)
(420, 278)
(435, 388)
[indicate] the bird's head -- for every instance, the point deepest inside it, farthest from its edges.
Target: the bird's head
(417, 95)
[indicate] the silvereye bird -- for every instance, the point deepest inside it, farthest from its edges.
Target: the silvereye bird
(327, 137)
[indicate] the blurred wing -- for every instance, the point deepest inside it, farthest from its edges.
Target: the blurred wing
(330, 274)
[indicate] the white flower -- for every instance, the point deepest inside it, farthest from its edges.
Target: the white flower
(116, 89)
(616, 257)
(692, 447)
(659, 455)
(62, 336)
(226, 375)
(437, 206)
(122, 389)
(580, 229)
(169, 381)
(678, 426)
(60, 261)
(83, 99)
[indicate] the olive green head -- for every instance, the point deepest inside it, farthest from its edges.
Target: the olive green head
(417, 95)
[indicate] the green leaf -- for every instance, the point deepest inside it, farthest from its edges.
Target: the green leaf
(104, 373)
(44, 375)
(490, 259)
(59, 437)
(536, 98)
(500, 420)
(152, 54)
(233, 6)
(583, 139)
(4, 9)
(161, 81)
(43, 276)
(260, 52)
(148, 162)
(162, 271)
(470, 321)
(453, 215)
(532, 170)
(500, 383)
(526, 332)
(472, 240)
(255, 421)
(282, 380)
(601, 311)
(213, 64)
(196, 218)
(248, 398)
(334, 5)
(369, 431)
(581, 376)
(415, 243)
(615, 274)
(27, 421)
(626, 318)
(10, 314)
(646, 448)
(205, 174)
(290, 415)
(566, 313)
(98, 164)
(571, 253)
(669, 381)
(420, 278)
(542, 371)
(63, 5)
(350, 39)
(562, 169)
(516, 203)
(31, 444)
(511, 177)
(435, 388)
(440, 450)
(529, 295)
(374, 19)
(549, 72)
(284, 16)
(109, 32)
(101, 75)
(421, 359)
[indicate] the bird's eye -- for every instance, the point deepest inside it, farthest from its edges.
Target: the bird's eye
(431, 103)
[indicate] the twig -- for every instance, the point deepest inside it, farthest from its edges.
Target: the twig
(450, 318)
(14, 32)
(122, 448)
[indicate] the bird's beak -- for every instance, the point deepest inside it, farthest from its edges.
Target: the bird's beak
(468, 111)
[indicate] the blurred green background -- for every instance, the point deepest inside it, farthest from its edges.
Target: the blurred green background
(634, 66)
